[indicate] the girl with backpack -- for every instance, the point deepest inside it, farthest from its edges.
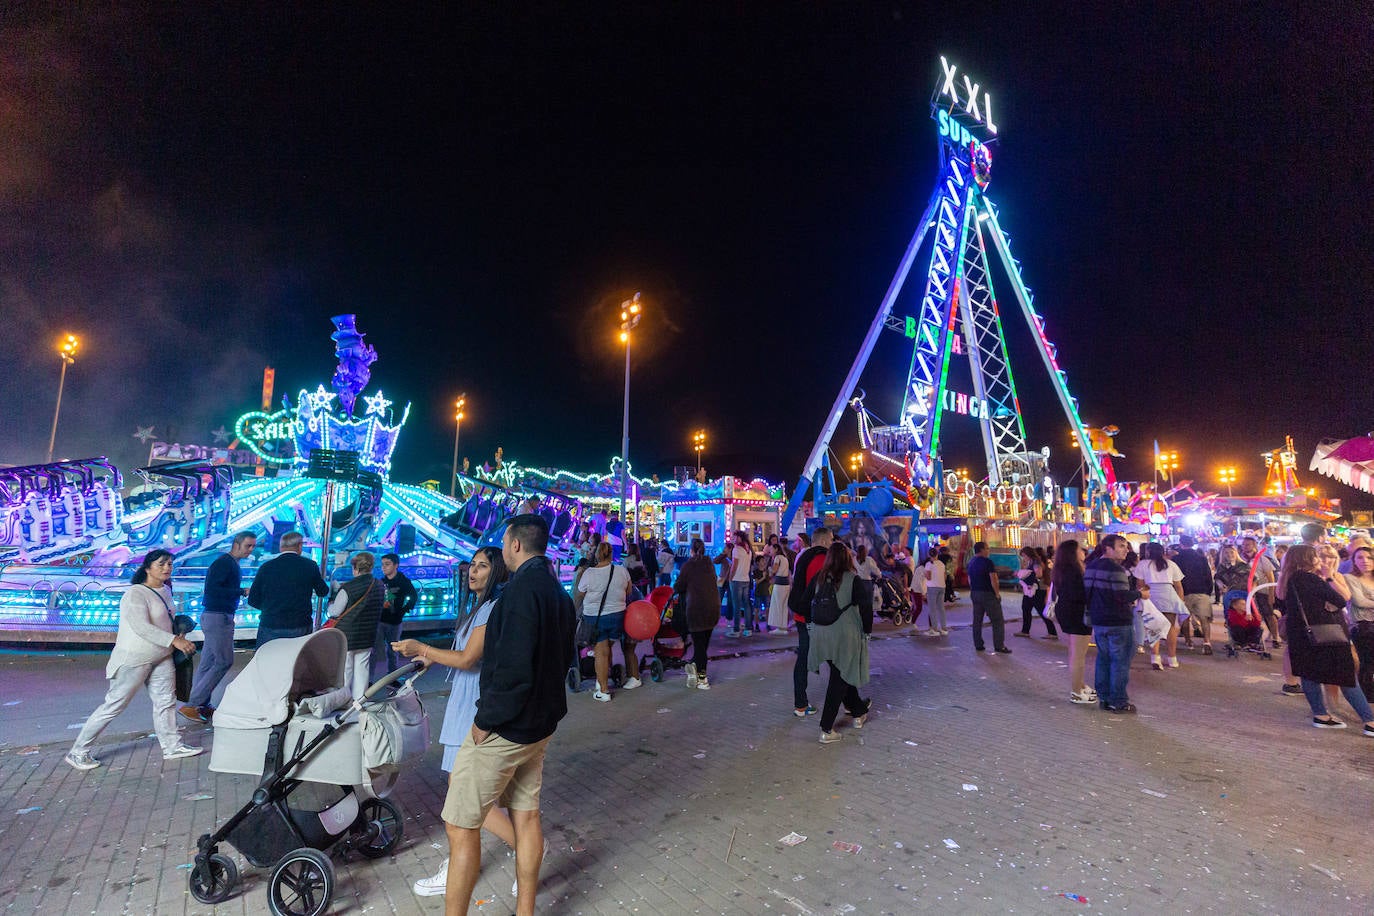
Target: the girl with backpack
(840, 623)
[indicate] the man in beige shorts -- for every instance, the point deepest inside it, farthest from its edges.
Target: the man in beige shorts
(529, 648)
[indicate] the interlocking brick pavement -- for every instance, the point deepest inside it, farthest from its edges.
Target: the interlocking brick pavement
(1258, 810)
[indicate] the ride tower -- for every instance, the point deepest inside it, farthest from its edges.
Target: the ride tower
(959, 317)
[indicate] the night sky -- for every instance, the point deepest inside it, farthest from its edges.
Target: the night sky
(196, 189)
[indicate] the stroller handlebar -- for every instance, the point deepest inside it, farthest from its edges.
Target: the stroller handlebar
(403, 671)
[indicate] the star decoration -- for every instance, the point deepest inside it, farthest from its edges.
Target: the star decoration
(377, 404)
(144, 434)
(321, 399)
(221, 434)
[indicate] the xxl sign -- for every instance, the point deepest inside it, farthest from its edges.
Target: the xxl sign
(980, 109)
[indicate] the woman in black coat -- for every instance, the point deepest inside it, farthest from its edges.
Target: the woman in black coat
(698, 597)
(1306, 589)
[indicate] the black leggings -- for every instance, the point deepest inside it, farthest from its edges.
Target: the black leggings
(1031, 605)
(836, 692)
(700, 640)
(1364, 646)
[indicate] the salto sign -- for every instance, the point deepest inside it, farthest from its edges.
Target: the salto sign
(980, 112)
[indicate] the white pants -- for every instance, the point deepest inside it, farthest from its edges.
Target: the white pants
(357, 671)
(777, 608)
(161, 680)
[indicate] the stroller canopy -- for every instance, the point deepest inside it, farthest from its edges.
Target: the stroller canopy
(281, 672)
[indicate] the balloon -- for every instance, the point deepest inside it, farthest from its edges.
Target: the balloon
(641, 620)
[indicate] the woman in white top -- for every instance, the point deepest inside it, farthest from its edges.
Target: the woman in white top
(781, 571)
(1165, 580)
(142, 656)
(865, 567)
(934, 573)
(601, 596)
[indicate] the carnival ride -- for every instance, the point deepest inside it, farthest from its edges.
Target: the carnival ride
(70, 538)
(959, 316)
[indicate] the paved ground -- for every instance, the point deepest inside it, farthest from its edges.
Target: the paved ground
(975, 788)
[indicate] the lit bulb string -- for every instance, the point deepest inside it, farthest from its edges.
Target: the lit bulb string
(511, 472)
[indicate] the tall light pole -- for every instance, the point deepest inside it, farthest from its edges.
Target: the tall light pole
(630, 313)
(699, 445)
(458, 406)
(1227, 475)
(1166, 464)
(66, 349)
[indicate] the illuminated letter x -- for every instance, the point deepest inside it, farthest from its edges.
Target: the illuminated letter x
(949, 80)
(971, 103)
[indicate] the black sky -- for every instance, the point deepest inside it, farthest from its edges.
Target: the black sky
(196, 189)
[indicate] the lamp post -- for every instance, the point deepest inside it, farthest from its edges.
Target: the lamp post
(630, 313)
(699, 445)
(458, 406)
(1168, 463)
(66, 349)
(1227, 475)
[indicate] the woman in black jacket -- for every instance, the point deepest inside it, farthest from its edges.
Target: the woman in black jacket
(1070, 603)
(698, 598)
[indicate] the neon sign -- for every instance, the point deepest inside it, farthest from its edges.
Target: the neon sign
(267, 434)
(983, 114)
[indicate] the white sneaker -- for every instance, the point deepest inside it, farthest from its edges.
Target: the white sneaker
(433, 886)
(181, 750)
(601, 696)
(703, 684)
(1083, 697)
(631, 684)
(81, 762)
(830, 737)
(691, 674)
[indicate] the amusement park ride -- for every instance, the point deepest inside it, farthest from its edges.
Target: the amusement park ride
(959, 316)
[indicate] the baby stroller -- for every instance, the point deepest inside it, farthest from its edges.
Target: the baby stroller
(1243, 624)
(289, 719)
(671, 643)
(892, 601)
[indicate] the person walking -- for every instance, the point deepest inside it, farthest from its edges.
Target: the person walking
(219, 602)
(1033, 580)
(1070, 603)
(840, 642)
(780, 571)
(809, 564)
(486, 573)
(528, 650)
(666, 561)
(1165, 580)
(602, 593)
(741, 562)
(934, 574)
(281, 592)
(1314, 608)
(986, 594)
(355, 610)
(399, 597)
(1197, 590)
(1111, 609)
(142, 657)
(1360, 582)
(648, 552)
(698, 599)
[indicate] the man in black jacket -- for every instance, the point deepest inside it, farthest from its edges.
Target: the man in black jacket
(219, 601)
(1111, 606)
(809, 562)
(281, 592)
(529, 648)
(400, 599)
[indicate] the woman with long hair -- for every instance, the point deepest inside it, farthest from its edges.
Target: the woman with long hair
(486, 574)
(780, 571)
(142, 657)
(843, 644)
(602, 594)
(1070, 601)
(1360, 581)
(1032, 576)
(1311, 597)
(699, 602)
(1166, 591)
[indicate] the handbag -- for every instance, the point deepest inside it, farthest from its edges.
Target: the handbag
(333, 622)
(1323, 634)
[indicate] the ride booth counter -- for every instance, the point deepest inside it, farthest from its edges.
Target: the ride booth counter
(713, 511)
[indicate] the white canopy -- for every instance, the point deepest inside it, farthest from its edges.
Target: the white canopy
(278, 674)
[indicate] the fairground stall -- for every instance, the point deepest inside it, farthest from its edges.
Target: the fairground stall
(715, 510)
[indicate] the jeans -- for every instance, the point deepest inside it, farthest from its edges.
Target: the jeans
(1115, 646)
(217, 656)
(665, 578)
(799, 672)
(267, 634)
(161, 680)
(838, 691)
(744, 611)
(701, 639)
(989, 605)
(1313, 691)
(1363, 638)
(936, 618)
(1031, 605)
(384, 658)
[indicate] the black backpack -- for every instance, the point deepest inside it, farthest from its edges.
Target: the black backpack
(825, 604)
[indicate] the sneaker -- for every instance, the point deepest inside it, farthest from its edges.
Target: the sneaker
(1085, 697)
(732, 634)
(81, 762)
(1206, 648)
(601, 696)
(1368, 731)
(1122, 710)
(1054, 636)
(1003, 650)
(830, 737)
(703, 683)
(1292, 689)
(747, 633)
(631, 684)
(1157, 664)
(434, 885)
(691, 668)
(1329, 722)
(979, 649)
(801, 712)
(944, 631)
(1173, 662)
(1022, 635)
(859, 721)
(193, 714)
(182, 750)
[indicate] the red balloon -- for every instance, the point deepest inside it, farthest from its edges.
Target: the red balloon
(641, 620)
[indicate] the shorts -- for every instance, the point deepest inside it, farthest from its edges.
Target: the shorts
(495, 772)
(610, 627)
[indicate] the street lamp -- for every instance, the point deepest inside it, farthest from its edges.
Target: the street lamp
(1166, 464)
(856, 464)
(699, 445)
(1227, 475)
(630, 313)
(458, 408)
(66, 349)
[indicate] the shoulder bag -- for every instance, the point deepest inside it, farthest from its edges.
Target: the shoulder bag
(587, 626)
(333, 622)
(1323, 634)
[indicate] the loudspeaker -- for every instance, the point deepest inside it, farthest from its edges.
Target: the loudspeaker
(405, 539)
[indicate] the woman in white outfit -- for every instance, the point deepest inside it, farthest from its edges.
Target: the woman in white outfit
(781, 571)
(142, 656)
(1165, 580)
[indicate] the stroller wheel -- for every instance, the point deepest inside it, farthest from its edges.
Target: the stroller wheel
(574, 680)
(378, 828)
(301, 884)
(213, 880)
(656, 669)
